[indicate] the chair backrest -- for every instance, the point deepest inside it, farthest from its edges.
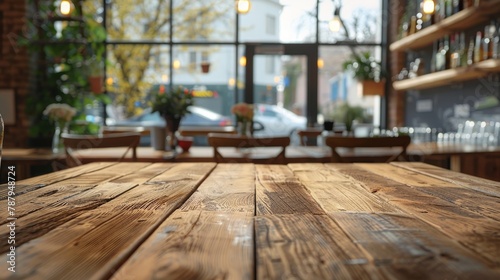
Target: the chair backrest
(126, 129)
(73, 142)
(237, 141)
(381, 149)
(204, 131)
(307, 133)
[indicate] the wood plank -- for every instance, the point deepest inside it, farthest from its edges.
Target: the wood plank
(66, 189)
(434, 186)
(406, 248)
(279, 192)
(42, 210)
(33, 183)
(475, 231)
(195, 245)
(229, 188)
(285, 251)
(96, 243)
(336, 192)
(488, 187)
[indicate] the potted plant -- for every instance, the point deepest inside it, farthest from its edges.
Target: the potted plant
(172, 106)
(95, 68)
(347, 114)
(368, 71)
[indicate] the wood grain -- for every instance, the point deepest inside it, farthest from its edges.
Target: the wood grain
(96, 243)
(475, 231)
(34, 183)
(407, 248)
(489, 187)
(229, 188)
(325, 252)
(41, 210)
(336, 192)
(195, 245)
(279, 192)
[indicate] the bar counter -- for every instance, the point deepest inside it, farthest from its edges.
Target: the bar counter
(144, 220)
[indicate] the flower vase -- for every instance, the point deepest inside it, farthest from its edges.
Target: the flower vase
(57, 143)
(243, 128)
(172, 127)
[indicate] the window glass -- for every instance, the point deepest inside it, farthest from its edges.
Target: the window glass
(138, 20)
(213, 89)
(207, 20)
(361, 21)
(134, 69)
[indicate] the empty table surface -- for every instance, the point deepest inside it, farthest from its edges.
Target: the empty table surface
(200, 220)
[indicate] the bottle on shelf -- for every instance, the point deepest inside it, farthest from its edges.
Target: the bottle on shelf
(462, 49)
(457, 6)
(478, 49)
(455, 52)
(413, 25)
(433, 57)
(445, 51)
(496, 42)
(440, 57)
(489, 31)
(470, 52)
(448, 8)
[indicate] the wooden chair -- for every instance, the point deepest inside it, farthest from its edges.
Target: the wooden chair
(237, 141)
(204, 131)
(368, 149)
(73, 142)
(308, 133)
(126, 129)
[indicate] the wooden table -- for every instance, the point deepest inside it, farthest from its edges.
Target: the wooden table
(246, 221)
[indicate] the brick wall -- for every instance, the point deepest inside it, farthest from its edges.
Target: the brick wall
(14, 68)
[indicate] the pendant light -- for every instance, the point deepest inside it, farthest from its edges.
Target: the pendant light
(66, 7)
(428, 7)
(243, 6)
(335, 22)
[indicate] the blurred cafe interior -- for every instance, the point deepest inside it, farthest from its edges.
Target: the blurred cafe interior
(428, 69)
(250, 139)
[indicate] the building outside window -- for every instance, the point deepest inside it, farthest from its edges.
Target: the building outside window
(169, 52)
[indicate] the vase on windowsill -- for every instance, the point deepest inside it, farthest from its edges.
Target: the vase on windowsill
(57, 143)
(244, 128)
(172, 127)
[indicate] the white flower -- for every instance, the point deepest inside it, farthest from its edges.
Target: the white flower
(60, 112)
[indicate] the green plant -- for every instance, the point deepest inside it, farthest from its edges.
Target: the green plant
(364, 66)
(60, 56)
(174, 103)
(347, 114)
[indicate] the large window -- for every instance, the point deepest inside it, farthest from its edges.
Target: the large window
(154, 42)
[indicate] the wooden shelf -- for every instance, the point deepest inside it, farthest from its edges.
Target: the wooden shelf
(449, 76)
(464, 19)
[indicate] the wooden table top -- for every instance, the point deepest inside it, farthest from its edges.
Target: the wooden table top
(245, 221)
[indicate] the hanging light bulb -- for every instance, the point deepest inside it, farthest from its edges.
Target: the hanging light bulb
(176, 64)
(243, 61)
(428, 7)
(321, 63)
(335, 22)
(66, 7)
(243, 6)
